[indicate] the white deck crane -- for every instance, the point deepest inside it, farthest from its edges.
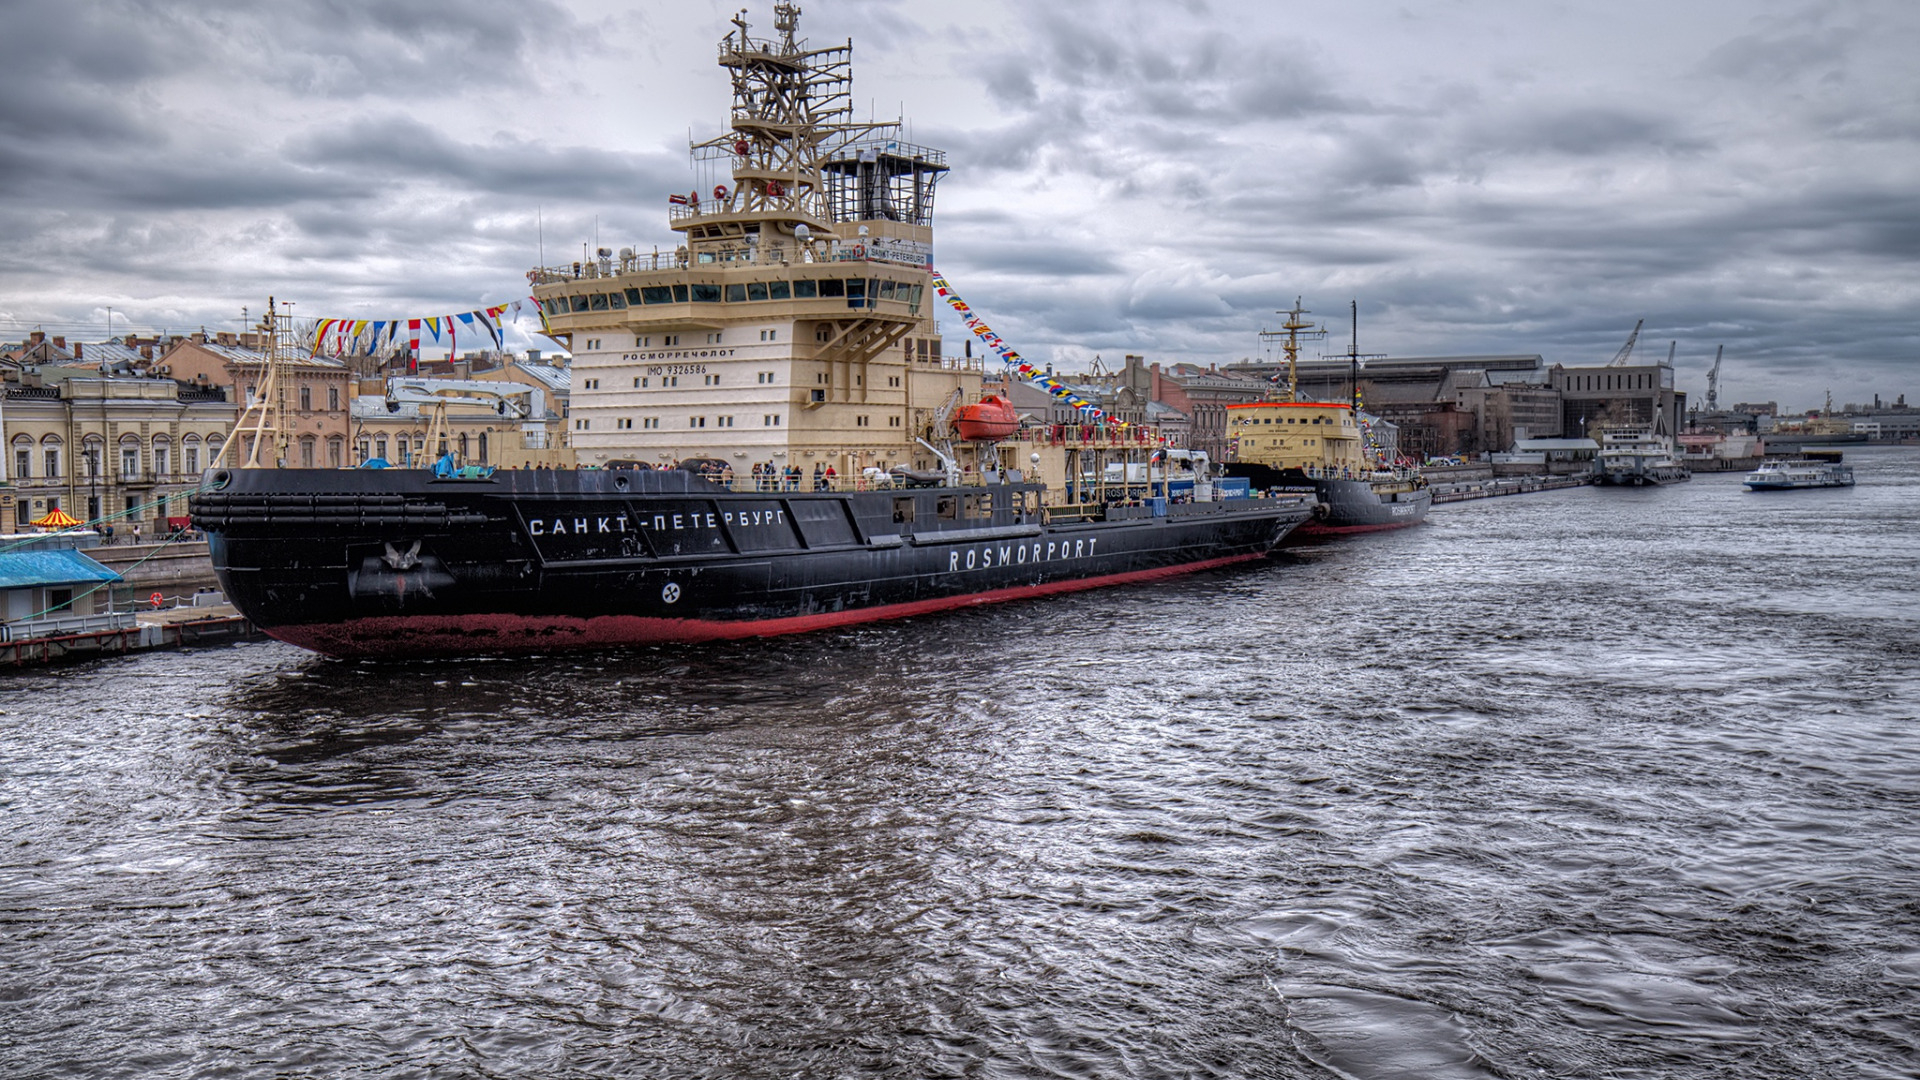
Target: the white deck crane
(517, 401)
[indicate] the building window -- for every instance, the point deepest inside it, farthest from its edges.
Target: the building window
(129, 460)
(582, 425)
(713, 339)
(380, 448)
(670, 380)
(770, 420)
(22, 464)
(651, 422)
(306, 450)
(333, 399)
(670, 339)
(696, 421)
(725, 421)
(859, 421)
(769, 335)
(159, 460)
(306, 399)
(765, 377)
(53, 462)
(483, 448)
(590, 384)
(624, 423)
(640, 383)
(711, 380)
(193, 459)
(893, 421)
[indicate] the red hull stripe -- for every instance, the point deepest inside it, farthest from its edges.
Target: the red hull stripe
(440, 635)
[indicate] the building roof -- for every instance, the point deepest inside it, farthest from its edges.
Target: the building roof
(31, 569)
(554, 378)
(110, 353)
(239, 354)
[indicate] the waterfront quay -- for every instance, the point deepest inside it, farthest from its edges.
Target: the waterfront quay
(66, 596)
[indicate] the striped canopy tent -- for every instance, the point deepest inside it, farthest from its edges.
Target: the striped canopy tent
(57, 519)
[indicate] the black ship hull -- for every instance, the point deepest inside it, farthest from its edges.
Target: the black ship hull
(399, 563)
(1345, 506)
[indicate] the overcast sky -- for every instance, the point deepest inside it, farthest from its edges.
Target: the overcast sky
(1128, 176)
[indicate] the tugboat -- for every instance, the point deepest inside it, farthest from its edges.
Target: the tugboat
(1329, 448)
(789, 328)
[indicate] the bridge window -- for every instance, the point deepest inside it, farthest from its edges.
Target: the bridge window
(806, 288)
(756, 290)
(656, 294)
(579, 303)
(736, 294)
(703, 293)
(597, 302)
(616, 301)
(779, 290)
(833, 287)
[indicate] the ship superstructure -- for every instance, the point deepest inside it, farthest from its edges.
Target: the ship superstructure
(793, 324)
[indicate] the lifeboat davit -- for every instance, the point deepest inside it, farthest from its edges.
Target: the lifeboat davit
(989, 419)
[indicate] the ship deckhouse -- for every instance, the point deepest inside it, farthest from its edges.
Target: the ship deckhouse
(1310, 435)
(794, 322)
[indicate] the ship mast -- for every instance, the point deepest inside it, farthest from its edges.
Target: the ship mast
(1288, 337)
(800, 163)
(265, 416)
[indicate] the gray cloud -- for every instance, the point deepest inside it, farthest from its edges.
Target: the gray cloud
(1129, 177)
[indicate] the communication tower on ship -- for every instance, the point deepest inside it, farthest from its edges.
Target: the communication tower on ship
(793, 325)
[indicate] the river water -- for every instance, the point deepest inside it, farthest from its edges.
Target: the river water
(1593, 783)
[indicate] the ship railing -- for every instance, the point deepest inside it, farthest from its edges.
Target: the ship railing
(779, 485)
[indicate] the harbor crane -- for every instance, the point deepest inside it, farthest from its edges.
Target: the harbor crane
(1626, 351)
(1713, 381)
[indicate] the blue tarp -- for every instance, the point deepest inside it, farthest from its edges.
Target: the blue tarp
(30, 569)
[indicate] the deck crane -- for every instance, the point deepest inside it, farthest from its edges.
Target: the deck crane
(1713, 381)
(515, 401)
(1626, 351)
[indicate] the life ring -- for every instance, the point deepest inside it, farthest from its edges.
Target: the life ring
(742, 147)
(720, 191)
(774, 188)
(859, 251)
(156, 599)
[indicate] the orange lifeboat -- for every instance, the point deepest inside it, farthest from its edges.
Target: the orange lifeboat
(986, 420)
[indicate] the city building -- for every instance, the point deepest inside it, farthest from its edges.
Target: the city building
(1595, 397)
(315, 391)
(97, 446)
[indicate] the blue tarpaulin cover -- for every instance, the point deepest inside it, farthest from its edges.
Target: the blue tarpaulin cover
(28, 569)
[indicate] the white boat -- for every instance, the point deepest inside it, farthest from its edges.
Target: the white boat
(1776, 474)
(1635, 455)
